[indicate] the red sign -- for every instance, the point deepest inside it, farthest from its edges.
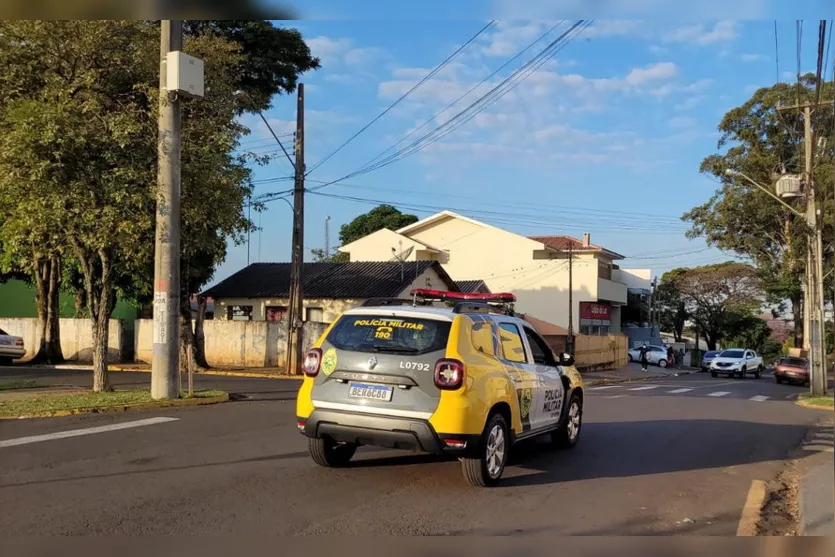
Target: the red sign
(592, 310)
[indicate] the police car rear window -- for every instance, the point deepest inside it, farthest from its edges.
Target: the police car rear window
(387, 334)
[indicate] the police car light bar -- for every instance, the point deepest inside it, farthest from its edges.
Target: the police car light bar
(442, 295)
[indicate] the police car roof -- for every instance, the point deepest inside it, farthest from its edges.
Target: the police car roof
(419, 312)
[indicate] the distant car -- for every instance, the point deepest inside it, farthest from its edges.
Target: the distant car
(707, 358)
(737, 362)
(792, 370)
(11, 348)
(657, 355)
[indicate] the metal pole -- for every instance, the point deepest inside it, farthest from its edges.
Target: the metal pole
(294, 352)
(248, 232)
(165, 366)
(571, 297)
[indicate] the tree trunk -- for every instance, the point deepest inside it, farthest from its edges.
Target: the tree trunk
(797, 313)
(100, 301)
(200, 335)
(188, 339)
(80, 304)
(48, 290)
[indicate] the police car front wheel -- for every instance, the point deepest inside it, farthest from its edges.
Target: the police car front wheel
(330, 454)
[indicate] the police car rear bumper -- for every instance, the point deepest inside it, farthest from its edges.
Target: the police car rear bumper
(385, 431)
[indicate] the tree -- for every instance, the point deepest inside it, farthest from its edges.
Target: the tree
(762, 142)
(715, 295)
(670, 305)
(382, 216)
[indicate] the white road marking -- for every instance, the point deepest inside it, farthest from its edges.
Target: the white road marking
(679, 391)
(759, 398)
(719, 393)
(647, 388)
(604, 387)
(80, 432)
(790, 396)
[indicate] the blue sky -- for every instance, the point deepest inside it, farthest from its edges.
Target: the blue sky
(606, 138)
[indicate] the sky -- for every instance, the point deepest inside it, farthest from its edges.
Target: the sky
(606, 137)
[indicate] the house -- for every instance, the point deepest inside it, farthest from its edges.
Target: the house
(472, 286)
(536, 269)
(261, 291)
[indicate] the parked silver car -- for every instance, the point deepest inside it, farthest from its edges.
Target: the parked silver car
(708, 358)
(11, 348)
(657, 355)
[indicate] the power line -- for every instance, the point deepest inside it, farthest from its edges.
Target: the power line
(286, 154)
(431, 74)
(477, 106)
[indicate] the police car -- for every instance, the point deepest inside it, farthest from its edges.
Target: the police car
(466, 378)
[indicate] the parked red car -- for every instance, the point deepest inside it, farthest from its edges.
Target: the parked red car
(792, 370)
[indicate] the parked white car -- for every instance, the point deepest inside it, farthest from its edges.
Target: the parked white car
(657, 355)
(737, 362)
(11, 348)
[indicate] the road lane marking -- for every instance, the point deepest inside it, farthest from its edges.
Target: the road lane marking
(679, 391)
(647, 388)
(759, 398)
(80, 432)
(751, 511)
(604, 387)
(719, 393)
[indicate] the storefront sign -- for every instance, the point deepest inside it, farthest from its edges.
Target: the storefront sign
(593, 310)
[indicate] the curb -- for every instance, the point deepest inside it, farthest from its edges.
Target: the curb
(752, 510)
(178, 403)
(804, 404)
(127, 369)
(595, 383)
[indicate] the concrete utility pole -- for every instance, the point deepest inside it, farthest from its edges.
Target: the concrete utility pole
(327, 237)
(165, 366)
(571, 297)
(295, 336)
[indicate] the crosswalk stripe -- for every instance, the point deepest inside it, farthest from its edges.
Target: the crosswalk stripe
(679, 391)
(759, 398)
(719, 393)
(647, 388)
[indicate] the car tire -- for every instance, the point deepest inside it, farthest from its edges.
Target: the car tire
(662, 363)
(758, 373)
(567, 436)
(486, 469)
(740, 374)
(778, 379)
(6, 361)
(714, 374)
(330, 454)
(630, 358)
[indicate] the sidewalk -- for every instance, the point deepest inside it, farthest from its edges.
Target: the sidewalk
(632, 372)
(817, 492)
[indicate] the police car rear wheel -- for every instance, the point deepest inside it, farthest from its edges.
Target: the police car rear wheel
(330, 454)
(486, 469)
(569, 432)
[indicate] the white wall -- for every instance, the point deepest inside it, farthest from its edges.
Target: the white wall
(331, 308)
(634, 278)
(76, 338)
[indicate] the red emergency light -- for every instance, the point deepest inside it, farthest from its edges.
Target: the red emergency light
(442, 295)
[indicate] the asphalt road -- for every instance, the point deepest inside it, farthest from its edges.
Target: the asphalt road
(649, 462)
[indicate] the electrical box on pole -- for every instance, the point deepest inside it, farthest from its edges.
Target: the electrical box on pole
(185, 74)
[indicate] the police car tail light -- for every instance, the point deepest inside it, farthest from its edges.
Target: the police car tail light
(449, 374)
(18, 342)
(455, 443)
(312, 362)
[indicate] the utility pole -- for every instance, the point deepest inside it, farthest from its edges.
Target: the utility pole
(327, 237)
(165, 366)
(571, 297)
(248, 232)
(295, 336)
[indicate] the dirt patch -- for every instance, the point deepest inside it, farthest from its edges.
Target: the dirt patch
(779, 513)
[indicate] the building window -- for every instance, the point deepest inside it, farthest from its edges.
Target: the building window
(315, 314)
(239, 313)
(604, 270)
(276, 313)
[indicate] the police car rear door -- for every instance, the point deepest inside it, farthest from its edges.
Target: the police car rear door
(549, 391)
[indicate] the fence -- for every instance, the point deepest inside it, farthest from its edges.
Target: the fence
(76, 338)
(236, 343)
(600, 352)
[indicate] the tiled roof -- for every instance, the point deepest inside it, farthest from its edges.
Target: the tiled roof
(327, 280)
(562, 243)
(469, 286)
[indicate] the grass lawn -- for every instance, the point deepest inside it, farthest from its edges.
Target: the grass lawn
(817, 401)
(48, 404)
(18, 384)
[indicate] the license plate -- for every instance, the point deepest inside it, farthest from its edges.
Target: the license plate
(370, 392)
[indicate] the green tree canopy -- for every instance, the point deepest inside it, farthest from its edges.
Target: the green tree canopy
(670, 304)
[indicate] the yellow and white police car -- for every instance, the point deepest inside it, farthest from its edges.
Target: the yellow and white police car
(468, 379)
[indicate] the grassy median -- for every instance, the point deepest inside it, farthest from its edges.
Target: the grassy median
(822, 402)
(58, 404)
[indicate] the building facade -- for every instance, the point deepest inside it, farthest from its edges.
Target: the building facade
(536, 269)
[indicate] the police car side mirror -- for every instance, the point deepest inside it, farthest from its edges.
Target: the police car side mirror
(566, 359)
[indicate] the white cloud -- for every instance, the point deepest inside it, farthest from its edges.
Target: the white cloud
(703, 35)
(754, 58)
(342, 52)
(658, 50)
(682, 122)
(655, 72)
